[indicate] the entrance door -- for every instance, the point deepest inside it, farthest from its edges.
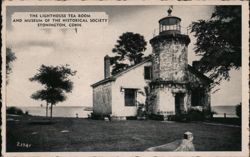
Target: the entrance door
(179, 103)
(197, 97)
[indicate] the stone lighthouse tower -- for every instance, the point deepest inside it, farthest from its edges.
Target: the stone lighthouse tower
(172, 87)
(169, 67)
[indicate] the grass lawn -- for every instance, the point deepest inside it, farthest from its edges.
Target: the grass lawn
(97, 135)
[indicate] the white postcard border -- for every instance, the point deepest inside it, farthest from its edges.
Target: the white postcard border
(245, 75)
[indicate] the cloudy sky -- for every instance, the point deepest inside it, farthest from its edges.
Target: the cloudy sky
(84, 50)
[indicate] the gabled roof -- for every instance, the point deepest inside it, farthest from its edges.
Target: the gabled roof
(199, 74)
(109, 79)
(114, 77)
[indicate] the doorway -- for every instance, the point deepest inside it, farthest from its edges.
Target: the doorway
(179, 103)
(197, 97)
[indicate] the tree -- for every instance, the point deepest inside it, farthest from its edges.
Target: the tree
(10, 57)
(130, 47)
(238, 110)
(218, 42)
(56, 84)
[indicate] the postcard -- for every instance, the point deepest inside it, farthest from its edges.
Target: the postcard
(125, 78)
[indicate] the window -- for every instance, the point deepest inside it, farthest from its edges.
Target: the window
(130, 97)
(147, 73)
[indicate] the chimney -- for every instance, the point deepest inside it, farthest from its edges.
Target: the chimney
(106, 66)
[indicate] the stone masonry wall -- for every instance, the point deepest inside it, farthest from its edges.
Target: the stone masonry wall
(170, 61)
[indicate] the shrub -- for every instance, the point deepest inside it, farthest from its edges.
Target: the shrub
(200, 115)
(238, 110)
(141, 111)
(99, 116)
(26, 112)
(155, 117)
(196, 115)
(179, 118)
(131, 118)
(96, 117)
(210, 114)
(191, 115)
(14, 110)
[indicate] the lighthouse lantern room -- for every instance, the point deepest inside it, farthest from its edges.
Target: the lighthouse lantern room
(170, 24)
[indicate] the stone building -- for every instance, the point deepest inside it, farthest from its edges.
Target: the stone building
(171, 85)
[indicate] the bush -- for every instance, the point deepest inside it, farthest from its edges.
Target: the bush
(98, 116)
(179, 118)
(192, 115)
(131, 118)
(209, 114)
(26, 112)
(141, 111)
(238, 110)
(196, 115)
(14, 110)
(156, 117)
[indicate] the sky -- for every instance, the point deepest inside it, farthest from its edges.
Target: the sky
(85, 49)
